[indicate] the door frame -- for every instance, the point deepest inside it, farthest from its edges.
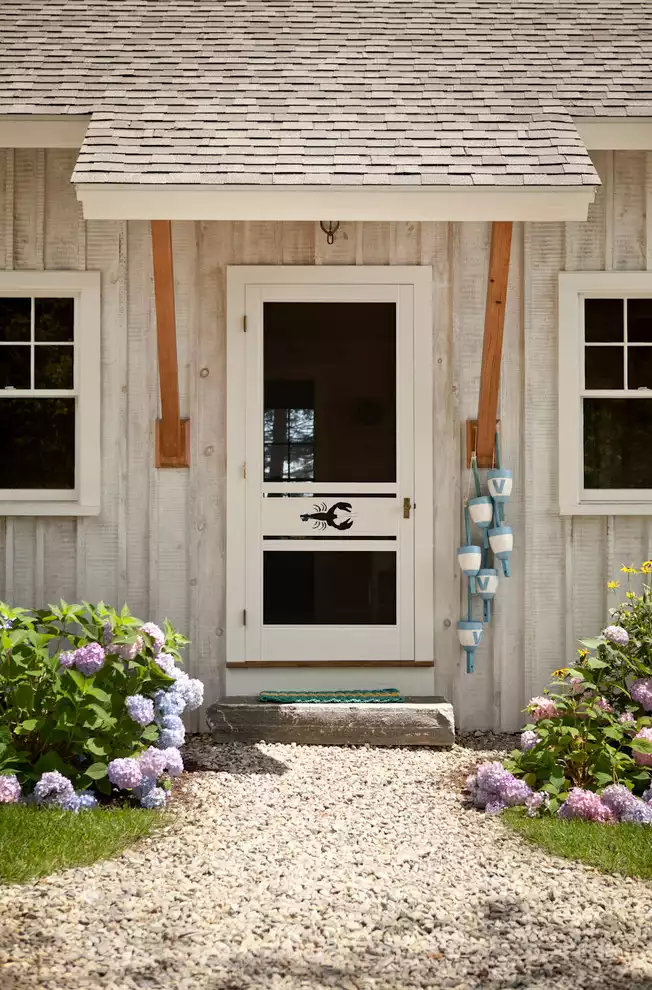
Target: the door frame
(415, 279)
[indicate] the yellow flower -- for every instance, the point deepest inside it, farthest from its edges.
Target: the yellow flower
(628, 570)
(612, 585)
(646, 567)
(582, 653)
(561, 673)
(630, 594)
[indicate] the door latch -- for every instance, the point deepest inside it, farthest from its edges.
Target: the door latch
(407, 506)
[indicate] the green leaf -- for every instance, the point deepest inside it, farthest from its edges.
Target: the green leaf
(29, 725)
(95, 747)
(78, 679)
(98, 693)
(613, 733)
(603, 779)
(596, 664)
(642, 745)
(592, 644)
(151, 733)
(96, 771)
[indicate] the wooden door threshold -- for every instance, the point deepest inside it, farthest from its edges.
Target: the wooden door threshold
(257, 664)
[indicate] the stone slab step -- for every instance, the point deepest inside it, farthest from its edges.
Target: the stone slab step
(413, 722)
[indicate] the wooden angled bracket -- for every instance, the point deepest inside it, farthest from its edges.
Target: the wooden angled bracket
(492, 347)
(172, 433)
(472, 444)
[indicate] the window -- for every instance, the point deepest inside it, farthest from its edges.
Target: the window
(289, 431)
(605, 393)
(49, 393)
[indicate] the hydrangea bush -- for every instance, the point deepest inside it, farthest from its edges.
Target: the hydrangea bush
(90, 706)
(587, 749)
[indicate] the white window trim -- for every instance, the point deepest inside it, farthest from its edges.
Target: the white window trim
(84, 499)
(574, 499)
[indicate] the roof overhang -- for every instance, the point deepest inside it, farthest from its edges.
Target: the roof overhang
(615, 133)
(122, 201)
(42, 131)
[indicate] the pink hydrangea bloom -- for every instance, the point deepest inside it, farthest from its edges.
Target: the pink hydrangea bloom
(644, 759)
(616, 635)
(585, 805)
(604, 705)
(626, 718)
(153, 762)
(156, 634)
(9, 788)
(125, 773)
(642, 693)
(543, 707)
(577, 685)
(89, 659)
(127, 651)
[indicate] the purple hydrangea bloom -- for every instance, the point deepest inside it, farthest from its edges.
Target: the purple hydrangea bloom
(6, 623)
(155, 633)
(67, 660)
(639, 814)
(70, 804)
(529, 739)
(89, 659)
(647, 795)
(618, 799)
(154, 799)
(9, 788)
(107, 634)
(53, 789)
(626, 718)
(87, 801)
(644, 759)
(492, 776)
(125, 773)
(585, 805)
(642, 693)
(173, 761)
(152, 762)
(127, 651)
(140, 709)
(515, 792)
(481, 798)
(617, 635)
(495, 806)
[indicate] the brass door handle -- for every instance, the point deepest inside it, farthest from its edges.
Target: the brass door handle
(407, 506)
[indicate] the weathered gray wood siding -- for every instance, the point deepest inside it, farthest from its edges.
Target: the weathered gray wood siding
(159, 542)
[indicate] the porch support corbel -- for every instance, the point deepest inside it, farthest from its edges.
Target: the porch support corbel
(172, 433)
(481, 436)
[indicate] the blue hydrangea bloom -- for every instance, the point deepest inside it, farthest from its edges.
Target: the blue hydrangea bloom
(146, 785)
(87, 801)
(125, 773)
(172, 738)
(70, 804)
(169, 702)
(173, 761)
(53, 789)
(155, 798)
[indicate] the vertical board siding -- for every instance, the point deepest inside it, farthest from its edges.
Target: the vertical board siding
(159, 542)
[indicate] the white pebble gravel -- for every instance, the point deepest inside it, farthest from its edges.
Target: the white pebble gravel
(317, 867)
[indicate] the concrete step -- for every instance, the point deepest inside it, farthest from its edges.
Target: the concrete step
(413, 722)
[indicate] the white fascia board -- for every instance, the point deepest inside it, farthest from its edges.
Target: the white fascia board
(53, 131)
(610, 134)
(119, 201)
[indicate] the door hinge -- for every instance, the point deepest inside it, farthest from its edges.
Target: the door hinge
(407, 507)
(244, 323)
(244, 617)
(244, 470)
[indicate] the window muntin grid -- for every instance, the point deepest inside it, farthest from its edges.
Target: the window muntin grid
(35, 359)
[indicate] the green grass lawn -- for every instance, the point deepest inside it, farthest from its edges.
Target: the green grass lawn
(36, 842)
(623, 849)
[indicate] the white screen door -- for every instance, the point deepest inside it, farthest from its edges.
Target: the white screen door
(326, 400)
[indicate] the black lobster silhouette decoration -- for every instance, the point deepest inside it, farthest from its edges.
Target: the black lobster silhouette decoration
(323, 516)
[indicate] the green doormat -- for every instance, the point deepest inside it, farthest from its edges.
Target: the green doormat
(379, 697)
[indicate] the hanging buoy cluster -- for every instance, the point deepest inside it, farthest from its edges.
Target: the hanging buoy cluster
(479, 561)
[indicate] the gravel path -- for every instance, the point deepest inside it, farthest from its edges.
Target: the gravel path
(306, 867)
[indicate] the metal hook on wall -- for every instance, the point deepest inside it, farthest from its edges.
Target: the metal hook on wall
(330, 228)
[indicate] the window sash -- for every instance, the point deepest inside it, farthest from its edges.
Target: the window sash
(574, 288)
(84, 287)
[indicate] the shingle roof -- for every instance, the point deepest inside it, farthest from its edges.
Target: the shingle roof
(329, 91)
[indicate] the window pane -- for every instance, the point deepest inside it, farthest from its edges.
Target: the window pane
(604, 320)
(617, 443)
(277, 461)
(603, 367)
(54, 319)
(15, 366)
(639, 320)
(333, 367)
(639, 367)
(53, 367)
(301, 462)
(15, 319)
(38, 443)
(332, 587)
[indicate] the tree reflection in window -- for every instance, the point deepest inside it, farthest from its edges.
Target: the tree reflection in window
(289, 431)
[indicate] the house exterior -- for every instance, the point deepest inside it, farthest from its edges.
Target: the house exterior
(214, 414)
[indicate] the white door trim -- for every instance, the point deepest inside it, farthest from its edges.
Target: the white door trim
(410, 283)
